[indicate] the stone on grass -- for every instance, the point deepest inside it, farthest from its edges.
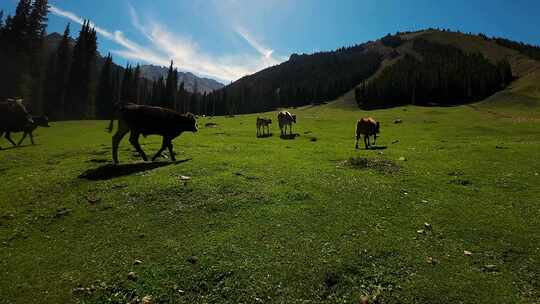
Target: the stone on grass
(147, 300)
(132, 276)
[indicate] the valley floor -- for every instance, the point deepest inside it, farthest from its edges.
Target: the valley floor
(451, 216)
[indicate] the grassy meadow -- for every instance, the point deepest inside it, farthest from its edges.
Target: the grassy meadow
(446, 209)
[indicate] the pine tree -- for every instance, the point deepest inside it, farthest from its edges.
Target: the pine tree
(81, 85)
(105, 94)
(171, 87)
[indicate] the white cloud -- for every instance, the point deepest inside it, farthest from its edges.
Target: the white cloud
(164, 45)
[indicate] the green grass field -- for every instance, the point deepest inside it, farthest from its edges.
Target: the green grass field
(268, 220)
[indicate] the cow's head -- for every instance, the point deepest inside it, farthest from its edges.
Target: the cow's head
(294, 118)
(41, 121)
(192, 122)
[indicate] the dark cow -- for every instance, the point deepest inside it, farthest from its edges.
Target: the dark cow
(39, 121)
(147, 120)
(286, 119)
(261, 123)
(13, 118)
(367, 126)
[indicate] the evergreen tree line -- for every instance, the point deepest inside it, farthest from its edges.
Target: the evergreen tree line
(304, 79)
(67, 82)
(444, 75)
(526, 49)
(21, 43)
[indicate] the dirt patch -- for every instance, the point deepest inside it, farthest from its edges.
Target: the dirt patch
(210, 124)
(378, 164)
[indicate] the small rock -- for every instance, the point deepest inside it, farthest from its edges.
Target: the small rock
(430, 260)
(395, 141)
(428, 226)
(147, 300)
(467, 253)
(192, 259)
(421, 231)
(92, 199)
(398, 121)
(402, 158)
(364, 300)
(132, 276)
(489, 268)
(137, 262)
(184, 178)
(424, 201)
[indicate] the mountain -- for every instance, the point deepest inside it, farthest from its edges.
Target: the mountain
(150, 72)
(424, 67)
(204, 85)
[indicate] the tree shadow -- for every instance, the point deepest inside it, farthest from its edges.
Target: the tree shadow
(110, 171)
(289, 136)
(265, 135)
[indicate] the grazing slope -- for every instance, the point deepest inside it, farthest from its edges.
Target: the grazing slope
(242, 219)
(524, 68)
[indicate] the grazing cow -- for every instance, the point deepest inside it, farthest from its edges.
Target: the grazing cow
(263, 122)
(13, 118)
(367, 126)
(286, 119)
(147, 120)
(39, 121)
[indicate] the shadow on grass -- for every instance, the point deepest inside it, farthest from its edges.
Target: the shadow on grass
(377, 148)
(265, 135)
(110, 171)
(16, 147)
(289, 136)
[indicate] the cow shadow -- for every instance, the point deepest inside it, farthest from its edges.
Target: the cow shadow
(289, 136)
(110, 171)
(265, 135)
(377, 148)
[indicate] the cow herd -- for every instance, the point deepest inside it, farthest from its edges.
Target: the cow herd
(149, 120)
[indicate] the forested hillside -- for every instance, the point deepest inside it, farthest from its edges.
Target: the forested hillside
(442, 75)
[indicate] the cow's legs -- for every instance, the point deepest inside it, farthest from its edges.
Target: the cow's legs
(366, 141)
(171, 152)
(356, 146)
(164, 145)
(117, 137)
(374, 138)
(258, 130)
(20, 141)
(8, 137)
(134, 140)
(31, 138)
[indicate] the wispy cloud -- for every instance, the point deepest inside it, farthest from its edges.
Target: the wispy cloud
(163, 45)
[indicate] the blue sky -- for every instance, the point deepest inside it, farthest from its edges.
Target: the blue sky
(226, 39)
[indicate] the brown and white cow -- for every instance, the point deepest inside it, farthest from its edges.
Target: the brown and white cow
(286, 119)
(13, 118)
(367, 126)
(147, 120)
(261, 123)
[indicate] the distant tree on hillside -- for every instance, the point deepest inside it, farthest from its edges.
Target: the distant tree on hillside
(79, 103)
(57, 78)
(106, 90)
